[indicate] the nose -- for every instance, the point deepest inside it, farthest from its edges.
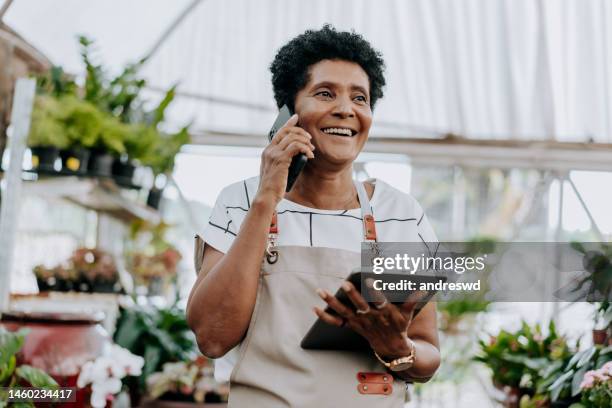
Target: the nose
(343, 108)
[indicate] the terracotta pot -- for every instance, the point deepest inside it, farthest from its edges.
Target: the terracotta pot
(600, 336)
(59, 344)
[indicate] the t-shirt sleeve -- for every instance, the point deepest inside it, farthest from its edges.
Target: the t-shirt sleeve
(220, 231)
(424, 227)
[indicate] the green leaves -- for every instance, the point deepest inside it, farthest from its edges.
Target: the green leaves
(12, 375)
(526, 358)
(35, 377)
(158, 335)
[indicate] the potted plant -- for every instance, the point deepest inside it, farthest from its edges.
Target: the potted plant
(83, 123)
(597, 262)
(160, 335)
(108, 147)
(14, 374)
(565, 383)
(87, 270)
(47, 135)
(151, 258)
(187, 382)
(517, 359)
(97, 270)
(161, 160)
(596, 388)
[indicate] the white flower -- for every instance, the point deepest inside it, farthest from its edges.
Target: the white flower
(105, 373)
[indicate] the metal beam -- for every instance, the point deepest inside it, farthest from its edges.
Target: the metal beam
(5, 8)
(546, 155)
(170, 29)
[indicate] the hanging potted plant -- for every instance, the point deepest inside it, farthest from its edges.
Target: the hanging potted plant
(161, 160)
(47, 134)
(596, 287)
(139, 139)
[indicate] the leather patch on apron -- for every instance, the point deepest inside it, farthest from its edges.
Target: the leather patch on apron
(375, 389)
(374, 383)
(377, 378)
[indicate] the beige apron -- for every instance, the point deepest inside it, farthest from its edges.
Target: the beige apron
(274, 371)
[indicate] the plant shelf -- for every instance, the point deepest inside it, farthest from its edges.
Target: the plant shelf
(101, 195)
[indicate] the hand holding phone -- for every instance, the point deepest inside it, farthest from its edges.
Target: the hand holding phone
(299, 160)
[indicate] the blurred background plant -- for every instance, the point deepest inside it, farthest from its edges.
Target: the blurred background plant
(159, 335)
(151, 258)
(189, 381)
(13, 374)
(87, 270)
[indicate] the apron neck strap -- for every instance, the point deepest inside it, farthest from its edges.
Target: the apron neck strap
(369, 226)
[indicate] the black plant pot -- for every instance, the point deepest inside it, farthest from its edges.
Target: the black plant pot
(105, 286)
(123, 172)
(154, 197)
(100, 164)
(75, 160)
(44, 157)
(46, 285)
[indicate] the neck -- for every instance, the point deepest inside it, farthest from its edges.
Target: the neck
(325, 190)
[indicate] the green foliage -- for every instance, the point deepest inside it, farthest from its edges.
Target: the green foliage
(598, 265)
(56, 82)
(139, 140)
(120, 96)
(13, 375)
(158, 335)
(565, 382)
(161, 157)
(518, 358)
(82, 122)
(47, 128)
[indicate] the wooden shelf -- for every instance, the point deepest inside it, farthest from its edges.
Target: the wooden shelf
(100, 195)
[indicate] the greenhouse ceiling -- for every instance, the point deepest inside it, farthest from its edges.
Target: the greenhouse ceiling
(484, 69)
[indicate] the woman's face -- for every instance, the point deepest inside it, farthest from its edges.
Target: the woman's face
(334, 107)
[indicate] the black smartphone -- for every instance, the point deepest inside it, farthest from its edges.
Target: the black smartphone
(299, 160)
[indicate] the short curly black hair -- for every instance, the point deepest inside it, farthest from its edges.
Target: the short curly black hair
(292, 62)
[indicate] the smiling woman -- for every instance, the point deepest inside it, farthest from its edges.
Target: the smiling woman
(331, 80)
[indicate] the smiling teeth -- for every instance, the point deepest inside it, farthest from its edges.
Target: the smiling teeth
(339, 131)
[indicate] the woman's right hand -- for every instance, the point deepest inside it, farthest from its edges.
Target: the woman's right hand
(289, 141)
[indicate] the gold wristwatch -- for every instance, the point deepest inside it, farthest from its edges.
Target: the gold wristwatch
(402, 363)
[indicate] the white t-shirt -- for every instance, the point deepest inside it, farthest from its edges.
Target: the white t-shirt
(398, 216)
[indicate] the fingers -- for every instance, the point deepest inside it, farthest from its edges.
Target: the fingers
(290, 125)
(354, 296)
(293, 134)
(335, 304)
(292, 121)
(377, 297)
(328, 318)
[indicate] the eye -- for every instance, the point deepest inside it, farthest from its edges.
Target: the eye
(361, 99)
(325, 94)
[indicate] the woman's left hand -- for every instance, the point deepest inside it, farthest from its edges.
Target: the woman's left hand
(385, 325)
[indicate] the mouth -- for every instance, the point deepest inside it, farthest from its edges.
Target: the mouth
(339, 131)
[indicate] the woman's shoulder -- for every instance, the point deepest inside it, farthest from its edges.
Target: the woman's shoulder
(240, 193)
(389, 198)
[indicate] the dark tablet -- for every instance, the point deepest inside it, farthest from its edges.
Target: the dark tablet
(324, 336)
